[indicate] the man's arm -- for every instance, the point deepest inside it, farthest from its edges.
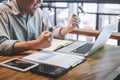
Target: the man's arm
(74, 22)
(6, 44)
(40, 43)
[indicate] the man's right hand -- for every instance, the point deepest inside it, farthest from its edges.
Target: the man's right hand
(44, 41)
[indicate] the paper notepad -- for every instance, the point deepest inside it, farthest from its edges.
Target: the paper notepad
(55, 58)
(57, 43)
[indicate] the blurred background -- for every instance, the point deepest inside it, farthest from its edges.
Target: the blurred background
(94, 15)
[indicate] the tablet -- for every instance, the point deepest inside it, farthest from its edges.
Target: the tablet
(19, 64)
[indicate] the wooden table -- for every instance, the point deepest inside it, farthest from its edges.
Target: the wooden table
(96, 67)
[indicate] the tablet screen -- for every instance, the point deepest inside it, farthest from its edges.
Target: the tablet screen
(19, 64)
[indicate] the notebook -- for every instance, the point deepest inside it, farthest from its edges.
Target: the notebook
(57, 44)
(86, 49)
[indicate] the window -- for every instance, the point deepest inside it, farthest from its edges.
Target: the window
(93, 16)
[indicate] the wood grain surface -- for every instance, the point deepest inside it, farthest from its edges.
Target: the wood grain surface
(96, 67)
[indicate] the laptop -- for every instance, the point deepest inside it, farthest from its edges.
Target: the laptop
(86, 49)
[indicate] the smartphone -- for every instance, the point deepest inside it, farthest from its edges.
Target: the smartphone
(19, 64)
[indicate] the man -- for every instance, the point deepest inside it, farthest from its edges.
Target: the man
(23, 27)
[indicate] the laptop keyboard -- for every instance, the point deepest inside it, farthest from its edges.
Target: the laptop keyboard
(83, 49)
(49, 70)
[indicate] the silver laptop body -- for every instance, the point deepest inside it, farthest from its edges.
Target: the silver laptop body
(99, 43)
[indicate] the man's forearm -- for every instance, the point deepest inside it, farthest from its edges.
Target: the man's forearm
(64, 31)
(23, 46)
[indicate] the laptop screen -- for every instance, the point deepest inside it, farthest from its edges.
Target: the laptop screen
(104, 36)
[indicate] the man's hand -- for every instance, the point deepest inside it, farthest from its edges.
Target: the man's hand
(44, 41)
(74, 22)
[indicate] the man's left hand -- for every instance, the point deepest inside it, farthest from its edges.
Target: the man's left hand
(74, 22)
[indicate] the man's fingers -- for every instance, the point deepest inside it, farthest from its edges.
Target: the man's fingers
(49, 36)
